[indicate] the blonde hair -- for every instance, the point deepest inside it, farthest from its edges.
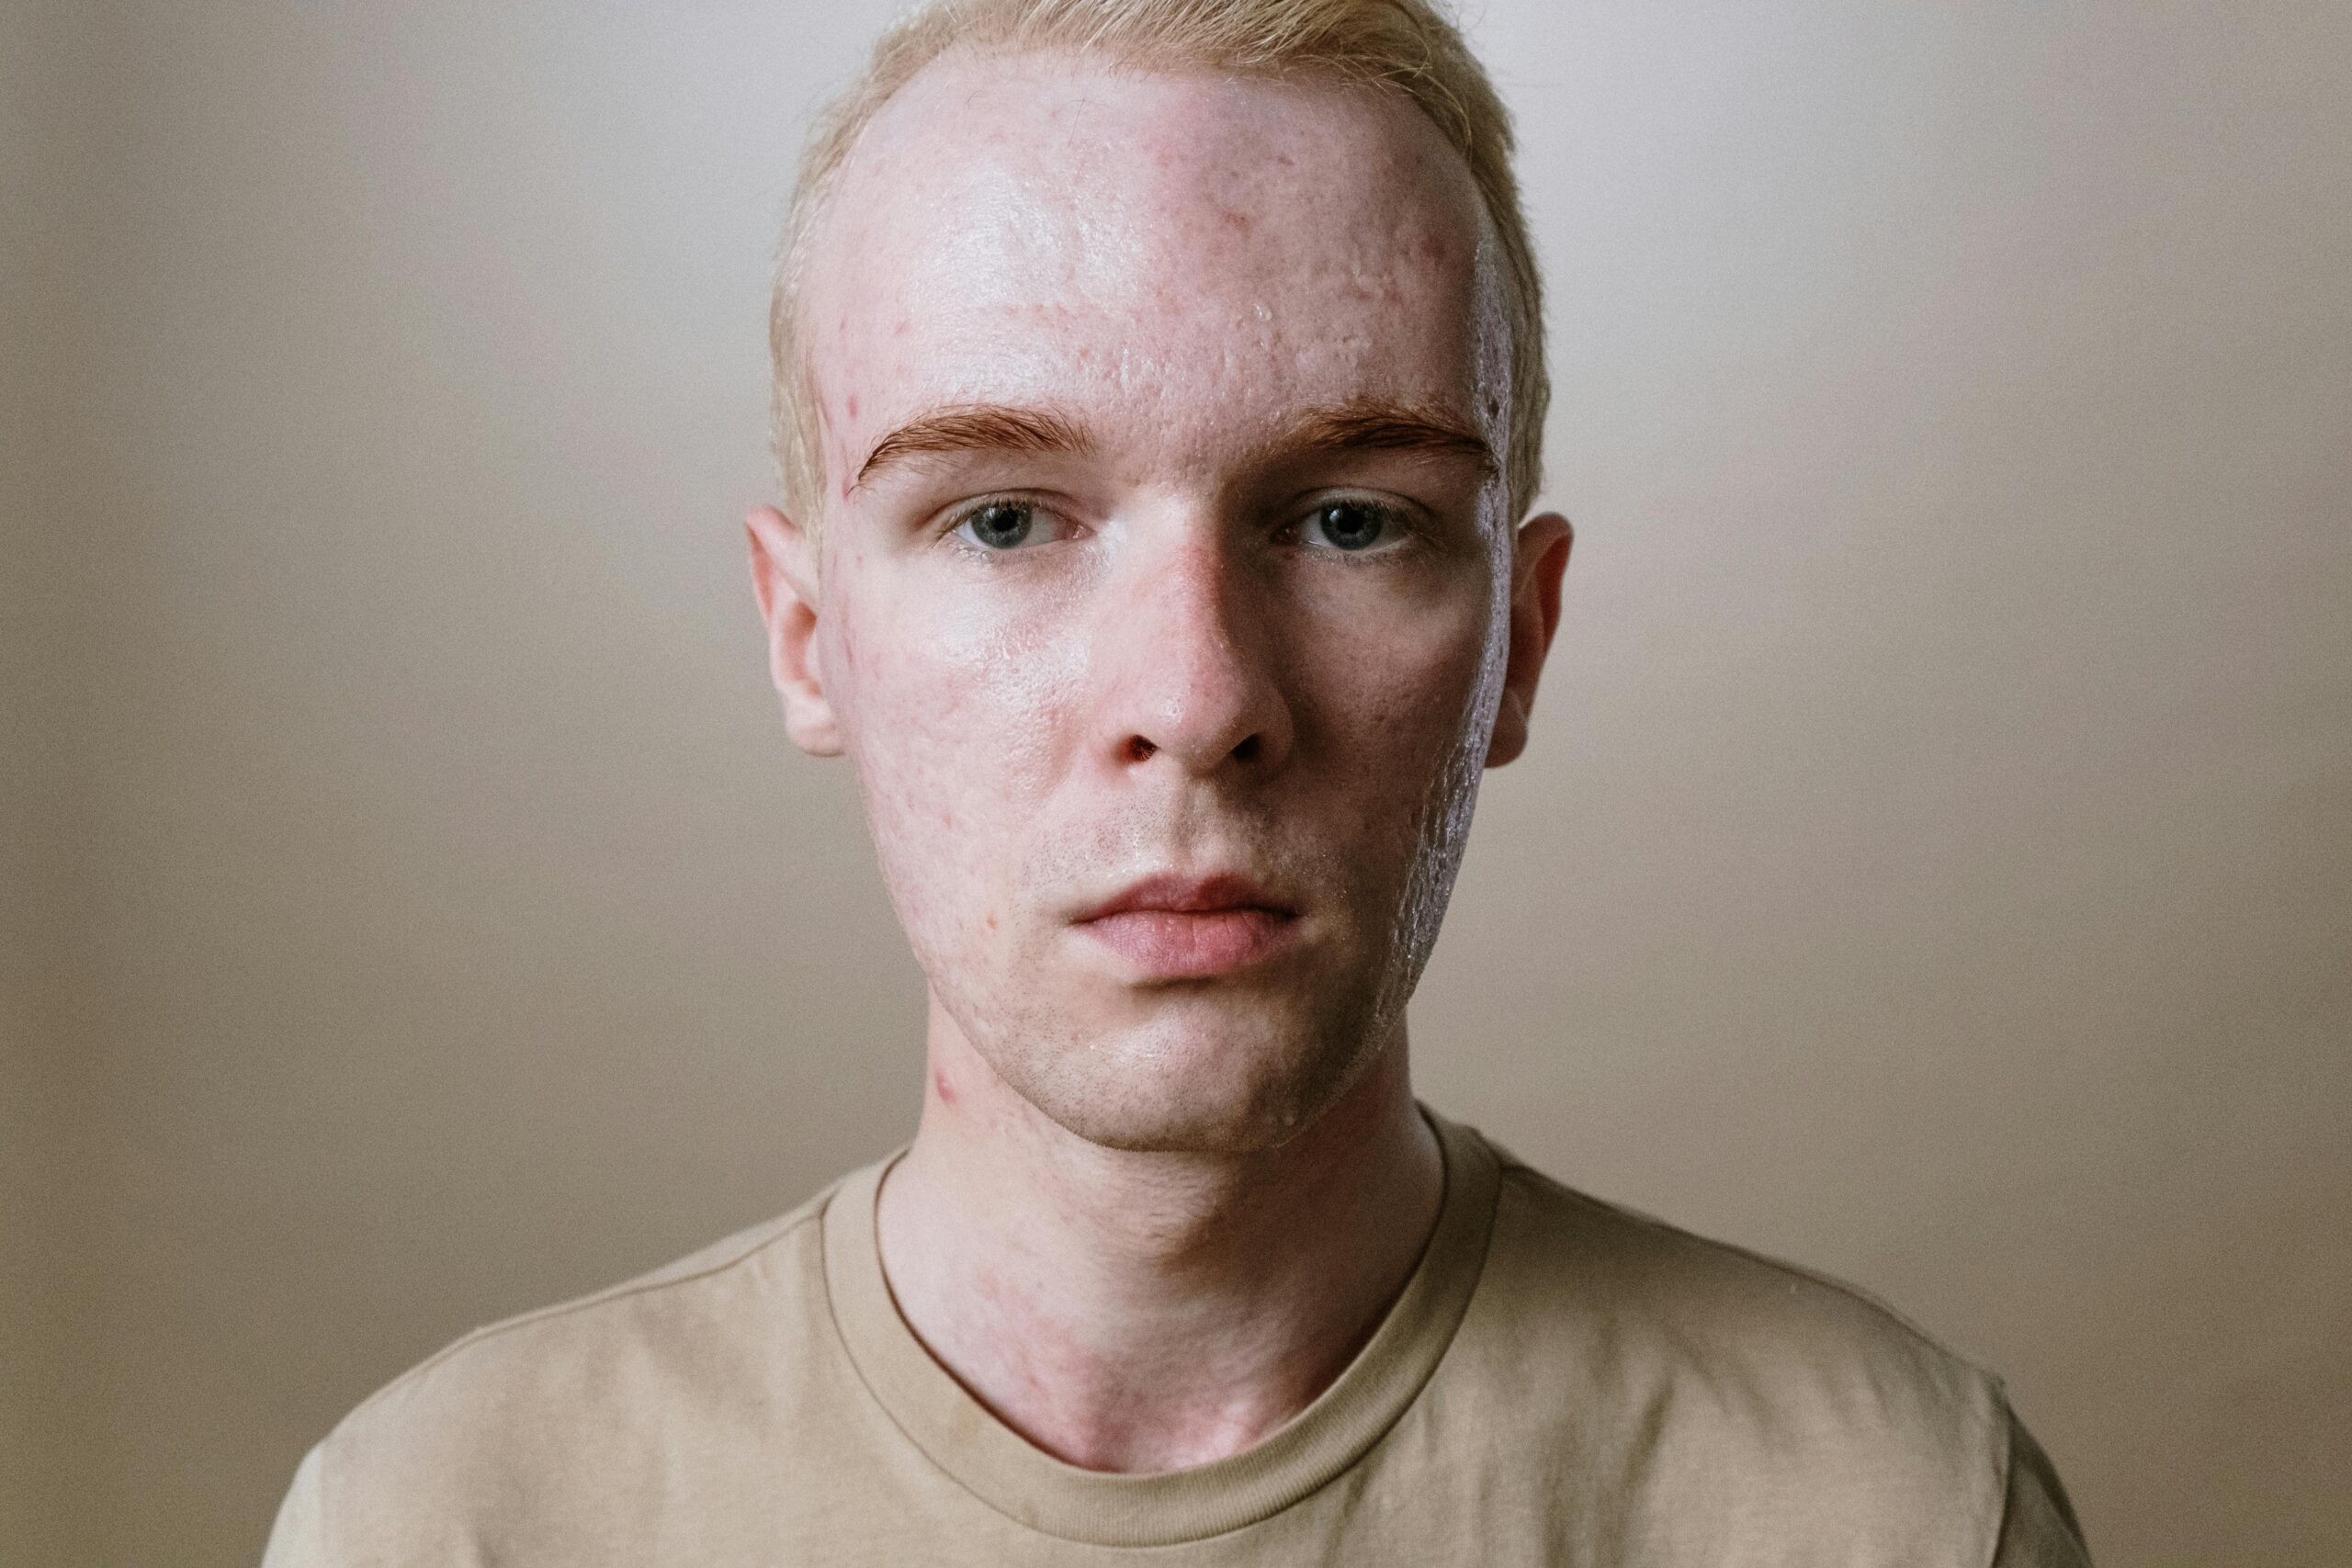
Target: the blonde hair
(1409, 47)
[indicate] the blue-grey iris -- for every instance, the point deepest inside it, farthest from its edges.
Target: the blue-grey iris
(1351, 524)
(1002, 524)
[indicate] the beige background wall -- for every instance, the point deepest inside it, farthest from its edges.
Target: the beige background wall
(45, 134)
(1934, 863)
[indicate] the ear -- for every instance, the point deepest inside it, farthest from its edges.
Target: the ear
(783, 580)
(1538, 558)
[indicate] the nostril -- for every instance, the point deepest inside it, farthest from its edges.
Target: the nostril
(1139, 750)
(1247, 750)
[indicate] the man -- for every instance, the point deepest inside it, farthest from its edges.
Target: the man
(1159, 390)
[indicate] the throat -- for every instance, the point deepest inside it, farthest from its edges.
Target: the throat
(1142, 1312)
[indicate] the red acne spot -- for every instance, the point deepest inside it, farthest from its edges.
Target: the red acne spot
(940, 1086)
(853, 405)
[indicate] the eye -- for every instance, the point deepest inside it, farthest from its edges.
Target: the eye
(1003, 525)
(1352, 527)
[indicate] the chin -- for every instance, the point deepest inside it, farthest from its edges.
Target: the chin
(1191, 1079)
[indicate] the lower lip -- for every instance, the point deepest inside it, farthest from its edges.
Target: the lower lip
(1169, 944)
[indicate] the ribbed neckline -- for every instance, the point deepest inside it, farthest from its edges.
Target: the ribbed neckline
(1029, 1485)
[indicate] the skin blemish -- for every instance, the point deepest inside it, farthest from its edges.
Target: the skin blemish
(1434, 250)
(942, 1088)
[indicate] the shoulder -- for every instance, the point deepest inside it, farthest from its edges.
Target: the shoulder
(679, 1323)
(1756, 1324)
(567, 1411)
(1717, 1388)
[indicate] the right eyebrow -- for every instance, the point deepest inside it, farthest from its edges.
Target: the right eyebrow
(973, 427)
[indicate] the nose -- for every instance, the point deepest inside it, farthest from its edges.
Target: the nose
(1187, 659)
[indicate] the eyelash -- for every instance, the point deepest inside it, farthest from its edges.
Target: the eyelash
(1398, 518)
(952, 530)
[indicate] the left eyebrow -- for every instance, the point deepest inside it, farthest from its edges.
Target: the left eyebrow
(1377, 424)
(973, 427)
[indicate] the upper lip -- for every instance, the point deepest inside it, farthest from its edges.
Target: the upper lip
(1176, 893)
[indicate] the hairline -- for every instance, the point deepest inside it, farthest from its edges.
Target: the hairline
(1509, 265)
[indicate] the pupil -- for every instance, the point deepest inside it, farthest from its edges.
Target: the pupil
(1001, 526)
(1351, 527)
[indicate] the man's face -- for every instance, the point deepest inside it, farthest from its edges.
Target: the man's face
(1161, 590)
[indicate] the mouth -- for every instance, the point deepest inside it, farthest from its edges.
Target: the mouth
(1191, 928)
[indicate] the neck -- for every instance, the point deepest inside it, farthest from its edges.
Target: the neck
(1146, 1311)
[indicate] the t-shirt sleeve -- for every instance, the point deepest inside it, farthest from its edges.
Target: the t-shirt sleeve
(2038, 1525)
(299, 1538)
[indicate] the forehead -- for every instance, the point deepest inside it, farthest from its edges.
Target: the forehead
(1176, 259)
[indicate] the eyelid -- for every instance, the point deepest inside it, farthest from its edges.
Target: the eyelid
(1408, 521)
(953, 521)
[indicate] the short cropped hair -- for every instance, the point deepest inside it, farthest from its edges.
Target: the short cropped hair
(1410, 47)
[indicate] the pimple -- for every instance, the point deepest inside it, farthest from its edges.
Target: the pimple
(852, 405)
(940, 1086)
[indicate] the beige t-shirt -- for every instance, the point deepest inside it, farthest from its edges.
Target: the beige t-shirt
(1560, 1382)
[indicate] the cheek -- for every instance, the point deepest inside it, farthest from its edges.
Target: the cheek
(1399, 691)
(953, 715)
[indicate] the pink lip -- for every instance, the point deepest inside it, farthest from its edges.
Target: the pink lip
(1183, 928)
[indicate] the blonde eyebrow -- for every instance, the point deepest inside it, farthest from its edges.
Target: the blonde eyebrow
(1377, 424)
(1360, 424)
(973, 427)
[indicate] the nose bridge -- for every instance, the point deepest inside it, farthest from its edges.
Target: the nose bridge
(1193, 676)
(1192, 585)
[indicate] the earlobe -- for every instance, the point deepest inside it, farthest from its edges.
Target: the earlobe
(783, 582)
(1510, 735)
(1539, 559)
